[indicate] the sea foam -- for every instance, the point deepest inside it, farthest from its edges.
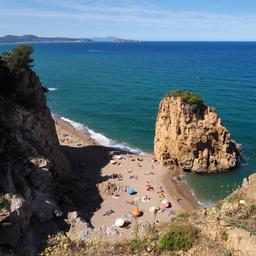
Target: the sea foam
(52, 89)
(100, 138)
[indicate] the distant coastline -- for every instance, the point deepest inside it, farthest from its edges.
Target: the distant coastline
(13, 39)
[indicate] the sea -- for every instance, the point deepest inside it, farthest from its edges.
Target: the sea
(114, 90)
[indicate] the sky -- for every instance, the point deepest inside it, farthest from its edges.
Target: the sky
(161, 20)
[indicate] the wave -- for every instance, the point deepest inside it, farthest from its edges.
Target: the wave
(52, 89)
(102, 139)
(96, 50)
(202, 204)
(181, 178)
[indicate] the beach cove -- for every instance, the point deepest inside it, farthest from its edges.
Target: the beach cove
(114, 172)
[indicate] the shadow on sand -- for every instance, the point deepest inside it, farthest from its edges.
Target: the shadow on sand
(81, 187)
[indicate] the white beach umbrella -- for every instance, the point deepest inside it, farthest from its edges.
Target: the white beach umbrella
(119, 222)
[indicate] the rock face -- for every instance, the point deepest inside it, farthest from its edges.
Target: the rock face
(193, 138)
(31, 159)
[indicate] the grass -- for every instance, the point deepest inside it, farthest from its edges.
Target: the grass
(188, 97)
(186, 215)
(242, 224)
(180, 237)
(224, 236)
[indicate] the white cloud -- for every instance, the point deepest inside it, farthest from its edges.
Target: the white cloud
(139, 13)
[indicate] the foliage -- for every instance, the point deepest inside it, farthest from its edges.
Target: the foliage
(186, 215)
(242, 224)
(179, 237)
(188, 97)
(61, 245)
(18, 59)
(135, 244)
(151, 239)
(147, 243)
(224, 236)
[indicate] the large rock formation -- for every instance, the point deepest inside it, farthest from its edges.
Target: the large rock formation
(31, 160)
(192, 137)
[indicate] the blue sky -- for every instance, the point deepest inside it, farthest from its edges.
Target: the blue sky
(136, 19)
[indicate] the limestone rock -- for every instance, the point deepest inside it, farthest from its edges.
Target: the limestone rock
(193, 138)
(31, 157)
(15, 221)
(242, 241)
(112, 232)
(79, 229)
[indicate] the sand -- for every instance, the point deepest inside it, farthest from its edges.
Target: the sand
(100, 165)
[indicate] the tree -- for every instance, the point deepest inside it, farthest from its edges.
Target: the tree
(19, 59)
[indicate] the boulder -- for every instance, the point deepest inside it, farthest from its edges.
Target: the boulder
(193, 138)
(15, 221)
(79, 229)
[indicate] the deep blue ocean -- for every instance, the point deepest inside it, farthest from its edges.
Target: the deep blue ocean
(114, 89)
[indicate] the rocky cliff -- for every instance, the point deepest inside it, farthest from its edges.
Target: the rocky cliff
(191, 136)
(31, 162)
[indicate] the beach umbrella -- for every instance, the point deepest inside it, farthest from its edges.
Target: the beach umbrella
(153, 209)
(136, 212)
(165, 203)
(119, 222)
(131, 191)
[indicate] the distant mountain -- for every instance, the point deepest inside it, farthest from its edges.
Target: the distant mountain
(113, 39)
(37, 39)
(104, 39)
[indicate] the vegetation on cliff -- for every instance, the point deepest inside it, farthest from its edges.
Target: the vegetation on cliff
(228, 228)
(16, 77)
(188, 97)
(191, 136)
(18, 59)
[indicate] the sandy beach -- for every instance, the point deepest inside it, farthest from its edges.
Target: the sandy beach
(114, 173)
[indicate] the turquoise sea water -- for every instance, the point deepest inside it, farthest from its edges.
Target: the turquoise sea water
(114, 89)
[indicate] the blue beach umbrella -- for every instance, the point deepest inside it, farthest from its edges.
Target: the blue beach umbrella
(131, 191)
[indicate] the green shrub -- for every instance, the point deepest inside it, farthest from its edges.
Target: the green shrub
(188, 97)
(224, 236)
(18, 59)
(179, 237)
(151, 239)
(136, 245)
(242, 224)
